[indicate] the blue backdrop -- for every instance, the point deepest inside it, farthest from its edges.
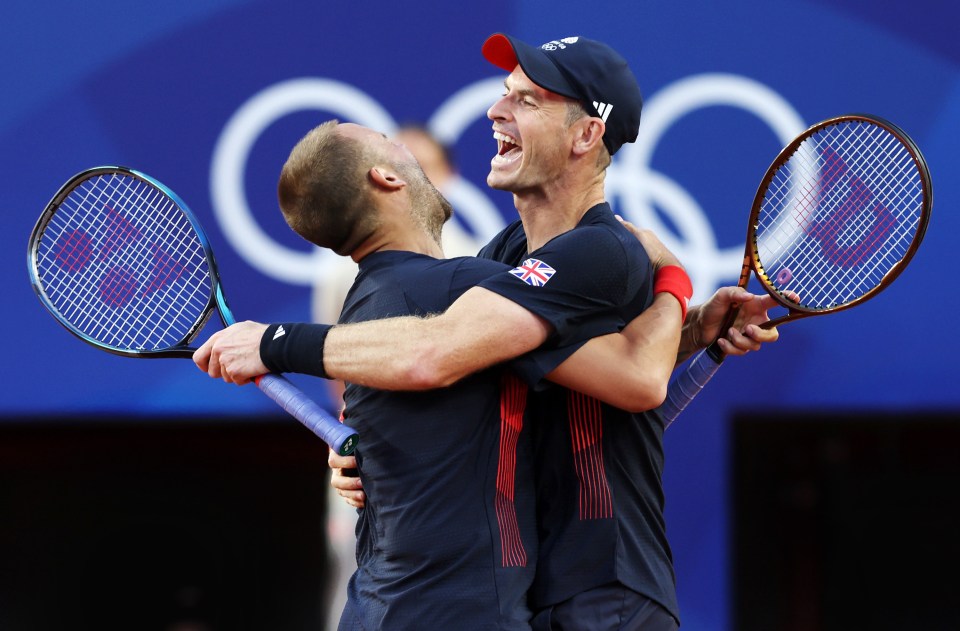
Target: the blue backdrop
(209, 96)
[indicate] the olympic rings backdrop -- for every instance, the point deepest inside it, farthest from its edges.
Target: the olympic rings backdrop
(209, 96)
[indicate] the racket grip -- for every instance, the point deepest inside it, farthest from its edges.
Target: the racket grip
(341, 438)
(687, 385)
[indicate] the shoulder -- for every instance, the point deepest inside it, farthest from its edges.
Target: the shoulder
(439, 282)
(587, 245)
(507, 245)
(472, 266)
(603, 234)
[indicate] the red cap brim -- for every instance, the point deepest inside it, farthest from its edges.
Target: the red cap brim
(499, 51)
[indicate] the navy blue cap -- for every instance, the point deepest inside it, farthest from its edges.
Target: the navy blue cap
(582, 69)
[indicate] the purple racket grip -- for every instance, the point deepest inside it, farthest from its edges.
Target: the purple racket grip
(341, 438)
(687, 385)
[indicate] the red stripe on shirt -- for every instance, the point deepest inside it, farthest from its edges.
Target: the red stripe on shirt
(513, 402)
(586, 434)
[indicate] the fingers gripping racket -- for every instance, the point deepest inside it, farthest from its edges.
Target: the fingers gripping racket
(837, 217)
(122, 263)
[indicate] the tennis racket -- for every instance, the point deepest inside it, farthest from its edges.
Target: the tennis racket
(121, 262)
(837, 217)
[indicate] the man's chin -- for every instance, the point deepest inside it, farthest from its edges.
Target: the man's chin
(497, 182)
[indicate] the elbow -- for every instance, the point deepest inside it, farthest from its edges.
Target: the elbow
(659, 396)
(647, 394)
(429, 368)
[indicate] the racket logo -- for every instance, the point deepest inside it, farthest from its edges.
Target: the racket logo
(164, 270)
(76, 252)
(120, 234)
(856, 226)
(117, 287)
(73, 251)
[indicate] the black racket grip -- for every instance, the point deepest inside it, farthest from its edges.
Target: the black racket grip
(688, 384)
(341, 438)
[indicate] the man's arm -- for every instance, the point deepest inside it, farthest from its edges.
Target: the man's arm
(479, 329)
(629, 370)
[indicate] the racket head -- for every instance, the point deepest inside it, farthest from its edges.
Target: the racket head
(122, 263)
(838, 215)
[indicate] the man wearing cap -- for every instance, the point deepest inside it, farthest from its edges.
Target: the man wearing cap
(568, 106)
(604, 559)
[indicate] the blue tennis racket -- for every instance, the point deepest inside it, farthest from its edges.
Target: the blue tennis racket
(122, 263)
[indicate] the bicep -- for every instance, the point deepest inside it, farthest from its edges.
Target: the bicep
(483, 328)
(628, 370)
(480, 329)
(603, 368)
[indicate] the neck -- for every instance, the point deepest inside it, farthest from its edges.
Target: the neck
(546, 214)
(405, 240)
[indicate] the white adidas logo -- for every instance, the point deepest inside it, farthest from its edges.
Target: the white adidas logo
(603, 109)
(279, 332)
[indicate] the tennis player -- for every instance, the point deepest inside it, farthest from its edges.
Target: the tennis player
(466, 546)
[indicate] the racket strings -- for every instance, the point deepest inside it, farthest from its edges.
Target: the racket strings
(121, 263)
(838, 215)
(117, 287)
(184, 302)
(166, 226)
(85, 308)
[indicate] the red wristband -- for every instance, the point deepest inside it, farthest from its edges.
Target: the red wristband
(672, 279)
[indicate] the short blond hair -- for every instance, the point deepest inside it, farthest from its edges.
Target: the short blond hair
(322, 191)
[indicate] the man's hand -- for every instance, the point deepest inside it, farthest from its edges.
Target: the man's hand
(657, 252)
(704, 321)
(345, 480)
(233, 354)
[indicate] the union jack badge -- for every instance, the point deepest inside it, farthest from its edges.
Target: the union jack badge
(534, 272)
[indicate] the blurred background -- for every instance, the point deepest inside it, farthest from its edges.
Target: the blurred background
(812, 486)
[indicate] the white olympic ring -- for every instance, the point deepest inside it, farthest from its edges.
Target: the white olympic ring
(229, 163)
(639, 187)
(630, 179)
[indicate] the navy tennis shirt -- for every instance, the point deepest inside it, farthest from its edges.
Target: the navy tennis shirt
(598, 468)
(447, 538)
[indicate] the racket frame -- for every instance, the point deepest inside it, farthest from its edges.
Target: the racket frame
(216, 298)
(751, 259)
(701, 368)
(338, 436)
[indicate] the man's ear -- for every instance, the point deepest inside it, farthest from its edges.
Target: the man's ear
(386, 178)
(589, 134)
